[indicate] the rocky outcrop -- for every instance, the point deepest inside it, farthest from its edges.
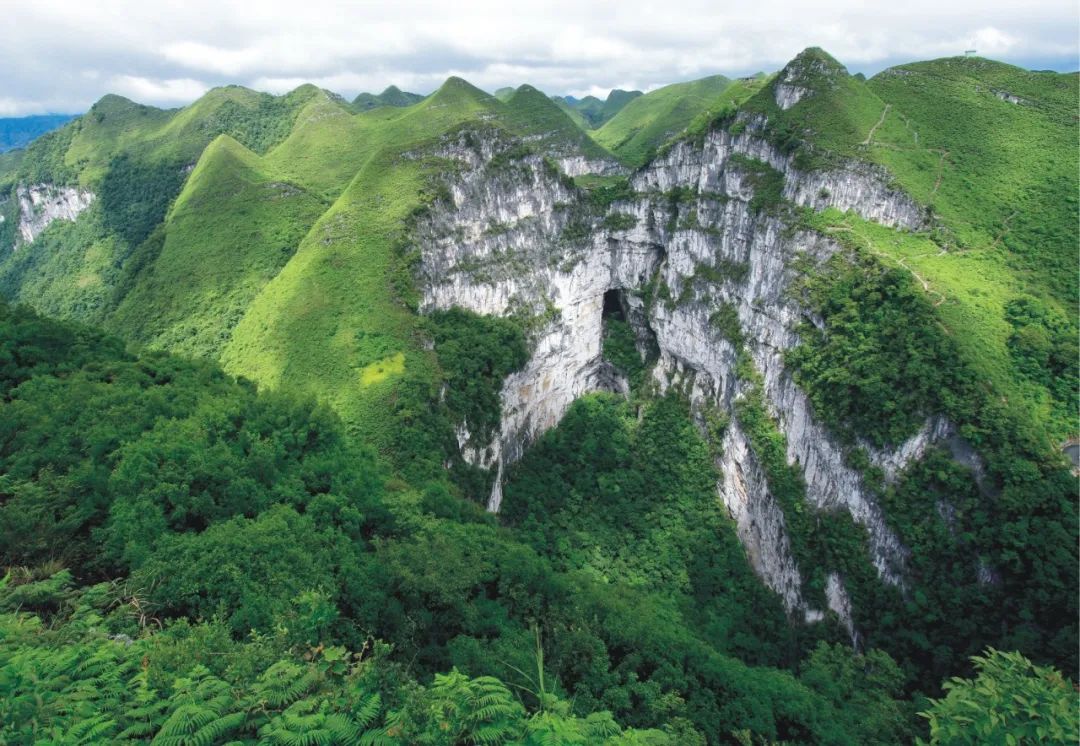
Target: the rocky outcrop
(1012, 98)
(859, 187)
(519, 238)
(787, 95)
(578, 165)
(504, 248)
(42, 204)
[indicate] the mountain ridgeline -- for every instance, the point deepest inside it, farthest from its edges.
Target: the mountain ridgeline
(590, 111)
(392, 96)
(732, 412)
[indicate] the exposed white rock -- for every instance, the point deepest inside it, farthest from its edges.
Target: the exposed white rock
(861, 188)
(41, 204)
(892, 462)
(1012, 98)
(501, 248)
(759, 519)
(577, 165)
(788, 95)
(768, 318)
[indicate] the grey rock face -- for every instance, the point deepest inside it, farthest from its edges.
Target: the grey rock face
(1012, 98)
(501, 250)
(577, 165)
(788, 95)
(512, 241)
(859, 187)
(41, 204)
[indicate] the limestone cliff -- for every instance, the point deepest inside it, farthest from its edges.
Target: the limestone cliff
(521, 239)
(41, 204)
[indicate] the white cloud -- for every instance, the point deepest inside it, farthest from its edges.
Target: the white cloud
(198, 56)
(168, 52)
(172, 90)
(991, 41)
(10, 107)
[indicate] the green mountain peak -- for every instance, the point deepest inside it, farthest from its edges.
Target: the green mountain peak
(812, 68)
(456, 89)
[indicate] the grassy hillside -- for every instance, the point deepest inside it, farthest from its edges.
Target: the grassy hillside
(646, 122)
(333, 322)
(155, 136)
(529, 110)
(1000, 181)
(570, 111)
(1001, 174)
(262, 231)
(136, 160)
(1002, 178)
(722, 108)
(233, 227)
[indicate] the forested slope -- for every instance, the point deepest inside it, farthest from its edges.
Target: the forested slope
(150, 492)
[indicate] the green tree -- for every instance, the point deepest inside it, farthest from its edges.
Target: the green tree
(1011, 701)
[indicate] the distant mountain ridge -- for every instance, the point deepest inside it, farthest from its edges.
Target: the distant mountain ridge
(392, 96)
(18, 132)
(593, 112)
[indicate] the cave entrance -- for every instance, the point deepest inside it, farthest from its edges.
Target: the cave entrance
(613, 305)
(628, 345)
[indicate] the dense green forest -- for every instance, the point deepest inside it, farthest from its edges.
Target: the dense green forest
(160, 514)
(235, 505)
(195, 560)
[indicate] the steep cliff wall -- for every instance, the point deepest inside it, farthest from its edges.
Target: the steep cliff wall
(41, 204)
(521, 239)
(517, 242)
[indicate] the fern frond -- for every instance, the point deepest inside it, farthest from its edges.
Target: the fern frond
(367, 709)
(91, 730)
(601, 725)
(284, 683)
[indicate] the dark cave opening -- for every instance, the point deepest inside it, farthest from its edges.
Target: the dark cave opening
(613, 305)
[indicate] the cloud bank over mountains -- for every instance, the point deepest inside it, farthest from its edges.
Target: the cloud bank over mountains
(62, 55)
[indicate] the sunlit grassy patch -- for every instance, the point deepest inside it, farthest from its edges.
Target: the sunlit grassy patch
(382, 369)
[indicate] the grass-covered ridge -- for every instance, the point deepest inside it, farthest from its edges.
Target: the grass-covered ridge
(342, 302)
(533, 111)
(136, 159)
(232, 228)
(646, 122)
(392, 96)
(989, 150)
(241, 188)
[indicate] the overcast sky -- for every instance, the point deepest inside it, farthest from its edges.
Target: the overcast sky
(62, 55)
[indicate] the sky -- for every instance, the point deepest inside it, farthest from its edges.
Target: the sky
(62, 55)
